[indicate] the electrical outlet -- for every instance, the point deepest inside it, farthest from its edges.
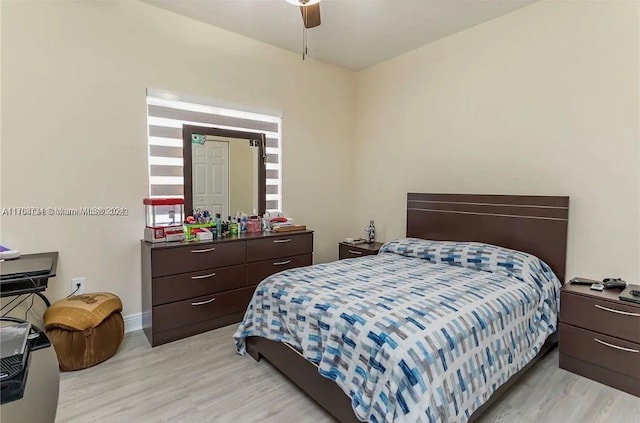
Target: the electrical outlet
(74, 285)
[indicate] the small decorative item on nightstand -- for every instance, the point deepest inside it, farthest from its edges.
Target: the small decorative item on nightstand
(348, 250)
(371, 232)
(599, 336)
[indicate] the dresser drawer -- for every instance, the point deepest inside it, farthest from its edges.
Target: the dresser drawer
(605, 351)
(249, 293)
(257, 271)
(614, 319)
(171, 261)
(181, 313)
(279, 246)
(188, 285)
(346, 252)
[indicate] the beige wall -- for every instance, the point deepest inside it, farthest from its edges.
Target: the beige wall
(74, 132)
(543, 100)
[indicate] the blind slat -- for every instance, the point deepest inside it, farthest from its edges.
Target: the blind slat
(211, 119)
(162, 151)
(164, 190)
(165, 132)
(160, 170)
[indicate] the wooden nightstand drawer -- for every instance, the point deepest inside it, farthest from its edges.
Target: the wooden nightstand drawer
(599, 337)
(603, 316)
(605, 351)
(346, 251)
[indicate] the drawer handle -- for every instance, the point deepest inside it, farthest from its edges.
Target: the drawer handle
(199, 303)
(626, 313)
(615, 346)
(280, 241)
(210, 275)
(359, 253)
(206, 250)
(281, 263)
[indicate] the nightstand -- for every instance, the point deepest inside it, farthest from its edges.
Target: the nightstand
(346, 251)
(599, 337)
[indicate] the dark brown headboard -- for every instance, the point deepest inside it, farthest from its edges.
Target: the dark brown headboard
(529, 223)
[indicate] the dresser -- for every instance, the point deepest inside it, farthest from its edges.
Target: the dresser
(599, 337)
(346, 250)
(193, 287)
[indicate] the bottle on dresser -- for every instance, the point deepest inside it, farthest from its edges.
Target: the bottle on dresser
(243, 223)
(233, 226)
(218, 226)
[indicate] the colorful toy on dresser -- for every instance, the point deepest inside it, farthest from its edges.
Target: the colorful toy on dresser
(201, 226)
(163, 219)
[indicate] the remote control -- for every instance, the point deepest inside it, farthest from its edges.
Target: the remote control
(582, 281)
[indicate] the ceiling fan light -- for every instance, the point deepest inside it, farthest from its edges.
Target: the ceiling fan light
(303, 2)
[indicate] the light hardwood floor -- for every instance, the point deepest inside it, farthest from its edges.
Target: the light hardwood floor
(201, 379)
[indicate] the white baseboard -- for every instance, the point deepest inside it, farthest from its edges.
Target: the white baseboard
(132, 322)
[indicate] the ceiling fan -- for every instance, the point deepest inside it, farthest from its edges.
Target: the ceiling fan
(310, 10)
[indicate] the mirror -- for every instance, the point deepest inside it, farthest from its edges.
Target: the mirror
(224, 171)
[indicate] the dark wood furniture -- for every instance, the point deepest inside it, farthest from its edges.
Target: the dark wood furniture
(346, 250)
(260, 141)
(530, 223)
(534, 224)
(15, 286)
(193, 287)
(41, 384)
(599, 337)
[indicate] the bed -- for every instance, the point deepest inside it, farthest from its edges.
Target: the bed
(435, 327)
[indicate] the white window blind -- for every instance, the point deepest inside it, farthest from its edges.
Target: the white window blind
(167, 112)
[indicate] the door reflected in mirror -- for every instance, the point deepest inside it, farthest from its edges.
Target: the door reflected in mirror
(225, 175)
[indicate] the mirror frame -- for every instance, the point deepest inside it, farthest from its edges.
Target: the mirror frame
(189, 130)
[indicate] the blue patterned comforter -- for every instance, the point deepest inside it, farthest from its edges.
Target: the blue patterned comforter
(425, 331)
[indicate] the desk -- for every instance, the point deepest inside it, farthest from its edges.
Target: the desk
(21, 284)
(40, 401)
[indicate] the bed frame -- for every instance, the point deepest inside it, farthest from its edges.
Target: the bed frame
(533, 224)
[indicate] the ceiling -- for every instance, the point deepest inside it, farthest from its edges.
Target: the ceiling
(354, 34)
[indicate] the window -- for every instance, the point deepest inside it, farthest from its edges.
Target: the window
(167, 112)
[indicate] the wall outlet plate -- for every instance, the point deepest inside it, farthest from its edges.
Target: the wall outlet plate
(74, 285)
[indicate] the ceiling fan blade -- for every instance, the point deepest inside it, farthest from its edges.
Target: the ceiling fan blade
(310, 15)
